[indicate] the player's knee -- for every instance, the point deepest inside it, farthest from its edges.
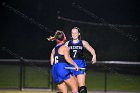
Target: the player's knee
(83, 89)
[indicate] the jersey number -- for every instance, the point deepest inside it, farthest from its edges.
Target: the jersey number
(56, 60)
(75, 52)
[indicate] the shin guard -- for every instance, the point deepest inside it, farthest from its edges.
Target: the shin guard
(83, 89)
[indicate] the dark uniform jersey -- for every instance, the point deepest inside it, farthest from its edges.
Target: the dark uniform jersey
(76, 49)
(76, 53)
(59, 73)
(58, 57)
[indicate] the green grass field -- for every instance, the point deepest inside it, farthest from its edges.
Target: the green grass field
(25, 92)
(37, 77)
(115, 82)
(11, 91)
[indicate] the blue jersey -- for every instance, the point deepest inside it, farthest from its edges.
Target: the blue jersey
(76, 53)
(58, 70)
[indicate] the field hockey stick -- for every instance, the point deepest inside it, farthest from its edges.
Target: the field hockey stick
(73, 68)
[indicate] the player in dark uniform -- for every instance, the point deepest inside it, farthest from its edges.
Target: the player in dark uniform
(60, 59)
(76, 46)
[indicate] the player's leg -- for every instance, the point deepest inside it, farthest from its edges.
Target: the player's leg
(81, 79)
(81, 83)
(62, 88)
(72, 83)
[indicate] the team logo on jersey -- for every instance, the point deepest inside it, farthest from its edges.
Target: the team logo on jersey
(76, 47)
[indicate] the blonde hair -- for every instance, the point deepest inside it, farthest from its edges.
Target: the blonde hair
(59, 36)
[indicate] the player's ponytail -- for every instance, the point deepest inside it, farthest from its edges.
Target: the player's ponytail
(51, 38)
(59, 37)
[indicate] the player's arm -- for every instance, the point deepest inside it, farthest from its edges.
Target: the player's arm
(90, 49)
(68, 58)
(52, 57)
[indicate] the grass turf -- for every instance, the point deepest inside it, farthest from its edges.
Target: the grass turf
(37, 77)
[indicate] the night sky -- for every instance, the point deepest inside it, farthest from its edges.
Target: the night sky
(25, 25)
